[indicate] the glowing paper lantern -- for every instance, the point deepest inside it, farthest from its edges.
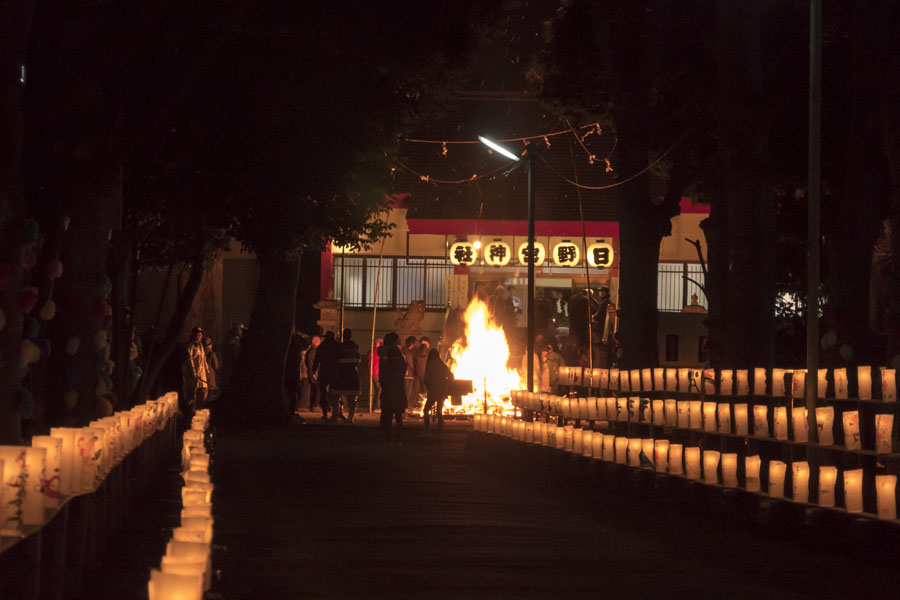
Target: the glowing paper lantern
(743, 382)
(600, 255)
(12, 489)
(172, 586)
(661, 455)
(622, 450)
(827, 478)
(33, 506)
(761, 420)
(684, 414)
(597, 445)
(196, 510)
(634, 409)
(624, 381)
(778, 382)
(659, 415)
(853, 501)
(540, 254)
(659, 383)
(463, 253)
(671, 410)
(560, 437)
(800, 479)
(646, 379)
(710, 467)
(741, 425)
(729, 470)
(675, 455)
(776, 478)
(590, 409)
(823, 382)
(884, 430)
(613, 379)
(851, 429)
(888, 385)
(751, 473)
(604, 379)
(609, 448)
(724, 414)
(798, 383)
(726, 382)
(825, 425)
(612, 409)
(799, 415)
(840, 384)
(181, 567)
(601, 409)
(634, 452)
(781, 423)
(759, 382)
(587, 443)
(692, 462)
(621, 409)
(864, 382)
(709, 381)
(497, 254)
(577, 440)
(582, 408)
(684, 380)
(528, 433)
(886, 494)
(566, 254)
(671, 380)
(647, 449)
(709, 416)
(52, 459)
(646, 413)
(70, 463)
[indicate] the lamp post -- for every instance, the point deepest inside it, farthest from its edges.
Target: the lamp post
(529, 156)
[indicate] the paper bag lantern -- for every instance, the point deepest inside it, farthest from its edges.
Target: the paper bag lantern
(196, 510)
(884, 431)
(634, 409)
(636, 380)
(743, 382)
(634, 452)
(671, 410)
(761, 420)
(646, 413)
(888, 385)
(851, 429)
(709, 381)
(684, 414)
(751, 473)
(823, 383)
(864, 382)
(675, 456)
(624, 380)
(612, 409)
(597, 445)
(33, 507)
(710, 467)
(647, 449)
(590, 409)
(800, 478)
(853, 501)
(799, 415)
(692, 462)
(609, 448)
(684, 380)
(659, 383)
(621, 409)
(622, 450)
(759, 382)
(778, 382)
(560, 437)
(709, 416)
(52, 459)
(724, 413)
(587, 443)
(825, 425)
(528, 433)
(886, 496)
(646, 379)
(776, 478)
(12, 489)
(798, 383)
(70, 463)
(671, 380)
(173, 586)
(726, 382)
(729, 470)
(577, 440)
(661, 455)
(827, 479)
(781, 423)
(841, 389)
(741, 426)
(659, 413)
(180, 567)
(613, 379)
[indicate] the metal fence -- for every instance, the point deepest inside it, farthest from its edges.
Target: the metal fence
(674, 290)
(402, 281)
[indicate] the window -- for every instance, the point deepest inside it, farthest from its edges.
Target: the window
(674, 290)
(402, 281)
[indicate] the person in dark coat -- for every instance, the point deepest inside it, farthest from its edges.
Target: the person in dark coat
(324, 366)
(409, 355)
(345, 384)
(392, 373)
(437, 382)
(314, 392)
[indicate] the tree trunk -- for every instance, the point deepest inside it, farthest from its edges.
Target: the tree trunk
(255, 392)
(747, 183)
(15, 26)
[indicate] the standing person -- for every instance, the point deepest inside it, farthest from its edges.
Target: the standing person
(324, 366)
(392, 372)
(373, 369)
(212, 364)
(543, 314)
(346, 378)
(437, 381)
(552, 363)
(409, 355)
(314, 391)
(195, 370)
(518, 306)
(420, 360)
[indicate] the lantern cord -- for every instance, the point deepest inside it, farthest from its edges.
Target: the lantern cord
(593, 127)
(475, 177)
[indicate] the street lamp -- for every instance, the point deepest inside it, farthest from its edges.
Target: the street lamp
(529, 156)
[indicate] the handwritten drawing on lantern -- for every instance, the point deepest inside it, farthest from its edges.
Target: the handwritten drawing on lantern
(463, 253)
(600, 255)
(540, 254)
(497, 254)
(566, 254)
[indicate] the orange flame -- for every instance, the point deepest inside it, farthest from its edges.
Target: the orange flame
(482, 357)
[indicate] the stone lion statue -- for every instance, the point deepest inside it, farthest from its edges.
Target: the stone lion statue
(410, 321)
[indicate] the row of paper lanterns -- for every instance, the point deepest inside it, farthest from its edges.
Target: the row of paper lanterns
(498, 253)
(712, 417)
(71, 461)
(709, 466)
(185, 571)
(730, 382)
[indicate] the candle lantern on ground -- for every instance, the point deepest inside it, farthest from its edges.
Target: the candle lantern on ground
(661, 455)
(675, 456)
(888, 385)
(33, 506)
(646, 379)
(577, 440)
(886, 496)
(776, 478)
(684, 380)
(864, 383)
(841, 389)
(827, 479)
(671, 380)
(622, 450)
(671, 410)
(781, 423)
(711, 466)
(568, 441)
(800, 478)
(53, 457)
(741, 419)
(726, 382)
(798, 383)
(801, 425)
(751, 473)
(823, 383)
(613, 379)
(684, 414)
(709, 416)
(884, 430)
(587, 443)
(609, 448)
(692, 462)
(761, 420)
(659, 413)
(853, 490)
(12, 489)
(759, 382)
(724, 415)
(743, 382)
(709, 381)
(659, 379)
(597, 445)
(729, 469)
(634, 452)
(825, 425)
(851, 429)
(778, 382)
(647, 449)
(173, 586)
(634, 409)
